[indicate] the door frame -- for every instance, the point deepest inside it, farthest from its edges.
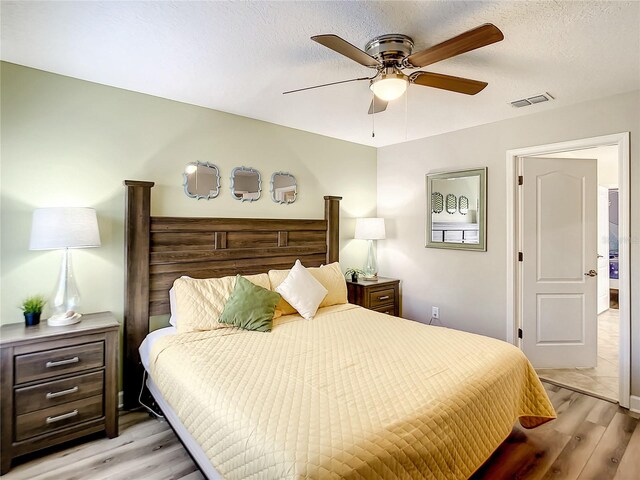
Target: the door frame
(514, 293)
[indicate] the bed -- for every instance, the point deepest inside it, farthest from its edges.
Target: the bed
(351, 394)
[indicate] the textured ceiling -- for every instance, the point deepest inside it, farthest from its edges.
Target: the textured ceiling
(239, 56)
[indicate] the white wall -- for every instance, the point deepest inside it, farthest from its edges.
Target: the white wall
(67, 142)
(470, 287)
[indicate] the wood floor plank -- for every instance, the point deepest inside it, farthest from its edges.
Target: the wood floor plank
(574, 412)
(158, 464)
(178, 470)
(548, 444)
(602, 413)
(526, 454)
(629, 467)
(508, 457)
(93, 467)
(606, 457)
(575, 454)
(194, 476)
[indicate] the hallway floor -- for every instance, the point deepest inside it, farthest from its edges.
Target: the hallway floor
(603, 379)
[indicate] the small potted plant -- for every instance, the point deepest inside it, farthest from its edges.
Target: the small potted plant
(32, 308)
(354, 273)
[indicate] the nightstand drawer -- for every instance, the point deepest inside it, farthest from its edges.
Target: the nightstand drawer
(50, 363)
(50, 419)
(388, 309)
(54, 393)
(378, 298)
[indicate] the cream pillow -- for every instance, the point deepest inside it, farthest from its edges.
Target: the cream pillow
(200, 302)
(331, 278)
(302, 291)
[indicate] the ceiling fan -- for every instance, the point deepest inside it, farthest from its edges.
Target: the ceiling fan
(389, 55)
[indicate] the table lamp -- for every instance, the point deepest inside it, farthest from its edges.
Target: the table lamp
(370, 229)
(64, 228)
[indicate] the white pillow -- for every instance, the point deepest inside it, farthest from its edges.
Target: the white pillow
(302, 291)
(173, 319)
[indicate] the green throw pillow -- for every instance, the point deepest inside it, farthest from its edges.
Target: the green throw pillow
(250, 307)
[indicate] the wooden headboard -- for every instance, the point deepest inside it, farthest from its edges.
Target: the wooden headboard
(160, 249)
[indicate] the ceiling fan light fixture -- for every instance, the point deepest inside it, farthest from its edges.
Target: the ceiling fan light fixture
(389, 86)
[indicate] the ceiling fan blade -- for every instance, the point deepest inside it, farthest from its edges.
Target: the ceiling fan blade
(447, 82)
(343, 47)
(326, 85)
(465, 42)
(377, 105)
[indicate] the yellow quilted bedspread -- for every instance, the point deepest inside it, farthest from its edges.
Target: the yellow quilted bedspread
(350, 394)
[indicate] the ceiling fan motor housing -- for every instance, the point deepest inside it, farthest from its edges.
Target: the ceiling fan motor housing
(390, 49)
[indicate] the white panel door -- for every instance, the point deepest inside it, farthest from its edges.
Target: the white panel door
(559, 245)
(603, 249)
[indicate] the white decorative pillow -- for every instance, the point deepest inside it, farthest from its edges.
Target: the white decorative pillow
(331, 278)
(302, 291)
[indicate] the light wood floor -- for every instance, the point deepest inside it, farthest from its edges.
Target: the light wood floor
(591, 439)
(603, 380)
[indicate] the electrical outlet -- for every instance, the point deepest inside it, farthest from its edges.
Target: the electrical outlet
(435, 312)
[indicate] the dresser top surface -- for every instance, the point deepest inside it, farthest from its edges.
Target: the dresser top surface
(15, 333)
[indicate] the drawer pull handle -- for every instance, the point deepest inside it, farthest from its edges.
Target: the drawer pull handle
(62, 362)
(64, 416)
(61, 393)
(386, 297)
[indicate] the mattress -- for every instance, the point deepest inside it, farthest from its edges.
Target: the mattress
(351, 394)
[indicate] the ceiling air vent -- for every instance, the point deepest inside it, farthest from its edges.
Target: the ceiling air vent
(524, 102)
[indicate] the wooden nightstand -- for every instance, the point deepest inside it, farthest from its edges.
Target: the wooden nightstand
(58, 383)
(381, 296)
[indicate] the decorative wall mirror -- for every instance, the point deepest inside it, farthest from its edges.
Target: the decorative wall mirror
(284, 188)
(201, 180)
(246, 184)
(463, 223)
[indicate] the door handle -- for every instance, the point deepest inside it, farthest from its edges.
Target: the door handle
(591, 273)
(600, 256)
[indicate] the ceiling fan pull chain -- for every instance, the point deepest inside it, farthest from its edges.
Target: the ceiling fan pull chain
(373, 118)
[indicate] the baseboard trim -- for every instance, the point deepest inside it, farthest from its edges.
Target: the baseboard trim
(120, 400)
(634, 403)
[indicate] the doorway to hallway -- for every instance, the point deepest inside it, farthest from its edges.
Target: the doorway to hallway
(608, 371)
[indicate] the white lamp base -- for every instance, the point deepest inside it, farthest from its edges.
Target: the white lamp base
(371, 267)
(62, 320)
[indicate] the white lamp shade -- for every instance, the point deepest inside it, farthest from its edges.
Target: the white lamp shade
(389, 88)
(370, 229)
(55, 228)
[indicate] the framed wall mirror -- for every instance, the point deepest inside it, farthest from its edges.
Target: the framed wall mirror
(284, 188)
(246, 184)
(462, 223)
(201, 180)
